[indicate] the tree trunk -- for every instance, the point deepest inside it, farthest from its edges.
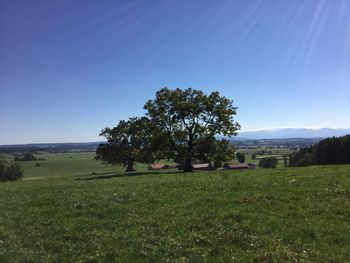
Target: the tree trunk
(188, 162)
(188, 166)
(130, 166)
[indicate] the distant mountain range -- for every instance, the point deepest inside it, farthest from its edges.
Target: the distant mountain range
(284, 133)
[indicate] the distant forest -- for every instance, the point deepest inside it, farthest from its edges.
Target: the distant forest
(328, 151)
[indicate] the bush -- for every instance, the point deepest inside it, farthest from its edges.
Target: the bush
(285, 160)
(10, 172)
(241, 157)
(26, 157)
(269, 162)
(2, 169)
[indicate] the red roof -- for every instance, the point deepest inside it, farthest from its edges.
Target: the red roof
(236, 165)
(201, 165)
(157, 166)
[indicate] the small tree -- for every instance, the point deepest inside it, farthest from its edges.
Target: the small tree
(241, 157)
(130, 141)
(216, 152)
(285, 160)
(10, 172)
(2, 170)
(224, 152)
(26, 157)
(268, 162)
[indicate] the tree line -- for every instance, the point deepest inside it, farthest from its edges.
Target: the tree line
(179, 124)
(335, 150)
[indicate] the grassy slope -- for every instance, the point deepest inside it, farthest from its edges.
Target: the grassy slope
(291, 215)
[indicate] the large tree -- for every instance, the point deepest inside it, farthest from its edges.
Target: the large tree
(190, 120)
(130, 141)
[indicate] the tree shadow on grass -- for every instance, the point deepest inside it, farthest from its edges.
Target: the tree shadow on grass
(109, 175)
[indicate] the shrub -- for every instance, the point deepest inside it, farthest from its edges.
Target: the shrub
(241, 157)
(269, 162)
(285, 160)
(26, 157)
(2, 169)
(10, 172)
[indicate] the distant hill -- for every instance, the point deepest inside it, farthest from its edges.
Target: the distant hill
(288, 142)
(292, 133)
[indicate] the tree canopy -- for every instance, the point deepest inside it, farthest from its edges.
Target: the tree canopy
(241, 157)
(26, 157)
(216, 152)
(190, 120)
(268, 162)
(130, 141)
(10, 172)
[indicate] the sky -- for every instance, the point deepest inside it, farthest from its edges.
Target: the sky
(70, 68)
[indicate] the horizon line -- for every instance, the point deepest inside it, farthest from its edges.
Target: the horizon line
(292, 127)
(266, 129)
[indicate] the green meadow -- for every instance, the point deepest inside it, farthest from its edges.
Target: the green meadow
(72, 208)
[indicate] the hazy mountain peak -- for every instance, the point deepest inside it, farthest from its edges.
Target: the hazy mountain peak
(282, 133)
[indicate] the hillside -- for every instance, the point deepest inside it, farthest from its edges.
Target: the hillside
(62, 212)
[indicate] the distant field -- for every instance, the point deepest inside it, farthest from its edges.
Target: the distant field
(66, 164)
(279, 157)
(61, 212)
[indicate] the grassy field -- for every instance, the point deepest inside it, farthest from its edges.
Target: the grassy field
(61, 212)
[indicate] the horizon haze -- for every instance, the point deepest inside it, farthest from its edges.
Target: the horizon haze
(283, 133)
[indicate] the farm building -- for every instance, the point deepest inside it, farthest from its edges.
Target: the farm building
(252, 165)
(172, 166)
(202, 166)
(237, 166)
(159, 166)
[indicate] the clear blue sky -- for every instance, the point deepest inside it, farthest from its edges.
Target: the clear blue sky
(70, 68)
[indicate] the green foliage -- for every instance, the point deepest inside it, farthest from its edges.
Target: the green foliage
(69, 165)
(189, 119)
(216, 152)
(10, 172)
(285, 160)
(130, 141)
(223, 152)
(26, 157)
(268, 162)
(241, 157)
(263, 215)
(2, 168)
(329, 151)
